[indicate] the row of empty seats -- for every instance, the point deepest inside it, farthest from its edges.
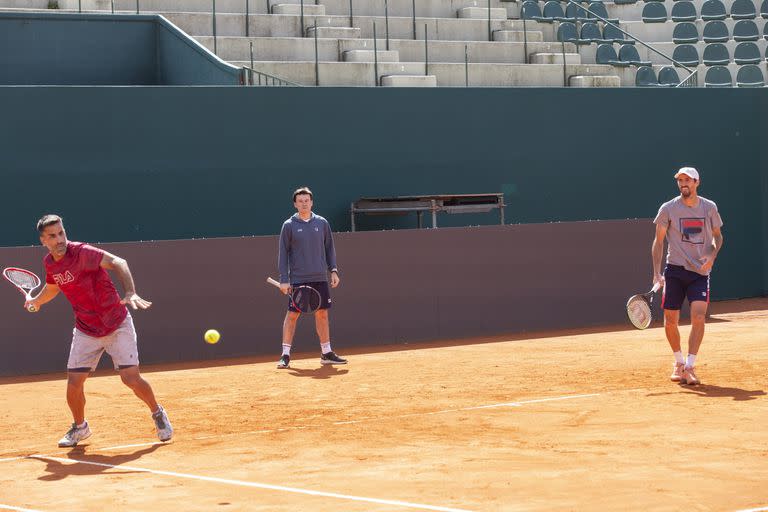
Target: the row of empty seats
(718, 76)
(718, 54)
(717, 32)
(711, 10)
(590, 33)
(553, 11)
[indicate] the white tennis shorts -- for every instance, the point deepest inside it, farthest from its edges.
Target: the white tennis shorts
(85, 351)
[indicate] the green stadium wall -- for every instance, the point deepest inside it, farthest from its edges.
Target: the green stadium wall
(154, 163)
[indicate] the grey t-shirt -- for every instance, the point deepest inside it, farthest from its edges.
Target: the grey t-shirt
(689, 231)
(306, 252)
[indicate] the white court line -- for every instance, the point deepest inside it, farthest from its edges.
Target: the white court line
(19, 509)
(256, 485)
(132, 445)
(12, 458)
(753, 509)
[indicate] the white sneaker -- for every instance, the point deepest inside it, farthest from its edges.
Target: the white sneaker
(74, 435)
(677, 372)
(162, 424)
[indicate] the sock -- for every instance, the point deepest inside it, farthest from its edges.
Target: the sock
(286, 350)
(679, 357)
(83, 424)
(691, 362)
(325, 347)
(159, 408)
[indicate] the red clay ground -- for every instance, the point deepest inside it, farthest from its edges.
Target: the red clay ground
(590, 423)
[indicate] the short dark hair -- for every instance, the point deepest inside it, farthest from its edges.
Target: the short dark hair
(301, 191)
(48, 220)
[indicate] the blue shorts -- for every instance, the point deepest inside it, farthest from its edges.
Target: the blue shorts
(322, 288)
(680, 283)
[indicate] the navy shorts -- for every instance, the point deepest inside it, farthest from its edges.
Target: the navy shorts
(680, 283)
(322, 288)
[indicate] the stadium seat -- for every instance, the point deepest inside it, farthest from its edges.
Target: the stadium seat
(716, 54)
(685, 32)
(750, 76)
(624, 2)
(718, 76)
(628, 53)
(530, 10)
(747, 53)
(713, 10)
(746, 30)
(576, 12)
(654, 12)
(599, 9)
(743, 10)
(607, 55)
(684, 11)
(764, 9)
(646, 77)
(611, 33)
(765, 31)
(686, 54)
(553, 11)
(668, 77)
(566, 32)
(590, 33)
(715, 32)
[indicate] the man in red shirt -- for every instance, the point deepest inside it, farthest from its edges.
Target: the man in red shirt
(102, 321)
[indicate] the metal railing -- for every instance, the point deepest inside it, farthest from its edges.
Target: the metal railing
(258, 78)
(690, 81)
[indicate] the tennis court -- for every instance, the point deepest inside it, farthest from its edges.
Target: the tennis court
(566, 421)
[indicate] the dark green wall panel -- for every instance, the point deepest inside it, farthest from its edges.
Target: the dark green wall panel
(143, 163)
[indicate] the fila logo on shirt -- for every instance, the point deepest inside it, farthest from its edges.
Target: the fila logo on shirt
(300, 230)
(316, 229)
(64, 278)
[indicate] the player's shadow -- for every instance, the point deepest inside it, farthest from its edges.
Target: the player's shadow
(710, 390)
(84, 464)
(325, 371)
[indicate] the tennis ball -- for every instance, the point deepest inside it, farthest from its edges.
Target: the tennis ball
(212, 336)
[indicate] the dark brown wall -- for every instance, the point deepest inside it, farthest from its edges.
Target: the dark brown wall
(397, 286)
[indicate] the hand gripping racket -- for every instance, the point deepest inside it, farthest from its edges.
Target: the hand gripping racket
(639, 308)
(304, 298)
(24, 280)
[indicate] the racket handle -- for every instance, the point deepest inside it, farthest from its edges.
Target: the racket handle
(655, 287)
(32, 309)
(273, 282)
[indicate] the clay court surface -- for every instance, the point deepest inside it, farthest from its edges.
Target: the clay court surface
(557, 421)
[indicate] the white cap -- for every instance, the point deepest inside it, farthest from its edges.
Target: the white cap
(688, 171)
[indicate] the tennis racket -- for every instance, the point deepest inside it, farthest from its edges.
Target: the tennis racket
(639, 308)
(304, 298)
(24, 281)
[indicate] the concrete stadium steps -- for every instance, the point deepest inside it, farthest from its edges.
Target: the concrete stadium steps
(594, 81)
(370, 56)
(295, 9)
(518, 36)
(278, 25)
(448, 74)
(303, 49)
(408, 81)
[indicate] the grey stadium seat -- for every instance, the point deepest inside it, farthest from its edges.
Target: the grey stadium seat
(747, 53)
(685, 32)
(765, 31)
(764, 9)
(553, 12)
(646, 77)
(715, 32)
(628, 53)
(750, 76)
(686, 54)
(566, 32)
(684, 11)
(718, 76)
(654, 12)
(599, 9)
(668, 77)
(716, 54)
(743, 10)
(746, 30)
(590, 33)
(530, 10)
(577, 12)
(611, 33)
(713, 10)
(624, 2)
(607, 55)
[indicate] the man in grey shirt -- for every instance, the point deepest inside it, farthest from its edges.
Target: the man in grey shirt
(691, 225)
(306, 257)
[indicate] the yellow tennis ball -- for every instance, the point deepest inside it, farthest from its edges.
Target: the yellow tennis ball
(212, 336)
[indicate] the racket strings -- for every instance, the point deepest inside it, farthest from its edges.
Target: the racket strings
(22, 279)
(306, 299)
(639, 312)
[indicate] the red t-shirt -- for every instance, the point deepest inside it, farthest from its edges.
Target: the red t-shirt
(88, 287)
